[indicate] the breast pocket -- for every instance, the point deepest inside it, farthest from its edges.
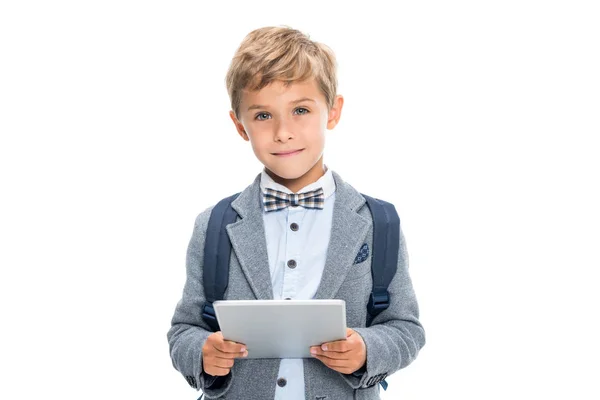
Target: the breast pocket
(361, 265)
(358, 271)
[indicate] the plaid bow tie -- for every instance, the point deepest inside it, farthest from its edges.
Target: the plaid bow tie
(274, 200)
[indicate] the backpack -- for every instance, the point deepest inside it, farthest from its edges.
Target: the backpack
(384, 256)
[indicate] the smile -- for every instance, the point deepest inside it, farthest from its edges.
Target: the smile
(288, 153)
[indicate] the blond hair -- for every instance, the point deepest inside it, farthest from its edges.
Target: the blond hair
(280, 54)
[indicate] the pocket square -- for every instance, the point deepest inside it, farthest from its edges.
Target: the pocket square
(362, 255)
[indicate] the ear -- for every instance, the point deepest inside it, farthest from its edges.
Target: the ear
(239, 127)
(336, 112)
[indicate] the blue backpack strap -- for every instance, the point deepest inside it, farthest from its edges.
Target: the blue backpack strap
(217, 252)
(384, 254)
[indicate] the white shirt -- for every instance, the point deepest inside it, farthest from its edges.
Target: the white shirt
(307, 246)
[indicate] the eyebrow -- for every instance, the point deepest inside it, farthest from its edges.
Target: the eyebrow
(260, 106)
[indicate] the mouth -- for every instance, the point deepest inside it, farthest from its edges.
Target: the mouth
(287, 153)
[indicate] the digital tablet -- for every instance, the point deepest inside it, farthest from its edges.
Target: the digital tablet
(281, 328)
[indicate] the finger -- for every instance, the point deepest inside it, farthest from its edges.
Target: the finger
(340, 346)
(215, 337)
(220, 362)
(336, 365)
(316, 350)
(227, 346)
(330, 362)
(218, 353)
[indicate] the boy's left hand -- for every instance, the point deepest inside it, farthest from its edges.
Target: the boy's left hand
(345, 356)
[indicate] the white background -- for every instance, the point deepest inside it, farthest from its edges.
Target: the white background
(479, 120)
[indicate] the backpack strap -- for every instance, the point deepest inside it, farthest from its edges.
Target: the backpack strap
(384, 254)
(217, 252)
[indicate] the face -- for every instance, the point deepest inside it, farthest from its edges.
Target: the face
(286, 126)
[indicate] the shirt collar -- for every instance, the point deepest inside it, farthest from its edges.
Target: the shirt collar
(326, 182)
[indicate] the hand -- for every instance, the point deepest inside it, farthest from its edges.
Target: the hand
(345, 356)
(218, 354)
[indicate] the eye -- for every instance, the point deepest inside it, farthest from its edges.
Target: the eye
(262, 116)
(301, 111)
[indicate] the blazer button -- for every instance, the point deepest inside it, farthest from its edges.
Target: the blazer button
(291, 264)
(294, 226)
(281, 382)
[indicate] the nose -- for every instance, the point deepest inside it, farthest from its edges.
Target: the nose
(283, 130)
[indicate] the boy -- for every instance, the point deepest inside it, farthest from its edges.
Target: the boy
(282, 88)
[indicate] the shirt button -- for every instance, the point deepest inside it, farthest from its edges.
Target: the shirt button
(294, 226)
(291, 264)
(281, 382)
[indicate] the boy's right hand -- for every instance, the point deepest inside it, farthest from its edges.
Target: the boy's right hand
(218, 354)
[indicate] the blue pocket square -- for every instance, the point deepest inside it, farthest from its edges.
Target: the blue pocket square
(362, 255)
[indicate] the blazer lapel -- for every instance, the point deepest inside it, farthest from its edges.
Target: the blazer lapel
(348, 232)
(248, 241)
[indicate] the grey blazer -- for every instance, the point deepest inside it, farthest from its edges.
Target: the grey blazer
(392, 341)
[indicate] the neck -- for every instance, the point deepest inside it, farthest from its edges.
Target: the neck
(311, 176)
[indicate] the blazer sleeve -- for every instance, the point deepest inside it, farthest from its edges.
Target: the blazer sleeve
(395, 336)
(188, 331)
